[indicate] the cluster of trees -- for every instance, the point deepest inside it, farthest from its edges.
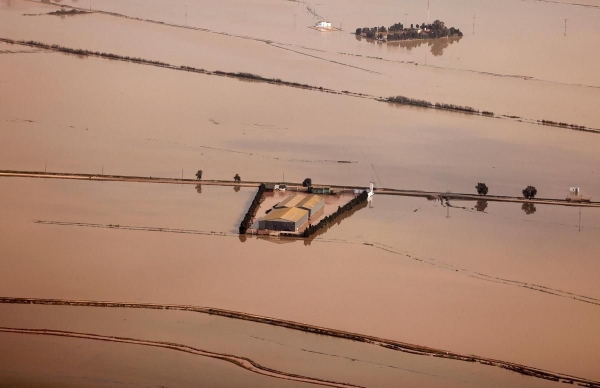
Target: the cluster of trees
(237, 178)
(247, 221)
(437, 29)
(307, 182)
(312, 229)
(372, 33)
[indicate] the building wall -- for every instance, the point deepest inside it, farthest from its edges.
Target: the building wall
(316, 208)
(282, 225)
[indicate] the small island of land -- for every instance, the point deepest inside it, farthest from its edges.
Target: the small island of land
(396, 32)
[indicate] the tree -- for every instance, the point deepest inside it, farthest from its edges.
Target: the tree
(199, 175)
(307, 182)
(529, 192)
(482, 188)
(358, 31)
(237, 178)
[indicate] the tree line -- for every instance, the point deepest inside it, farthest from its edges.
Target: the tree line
(247, 220)
(438, 105)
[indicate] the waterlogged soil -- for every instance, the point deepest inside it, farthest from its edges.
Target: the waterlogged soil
(487, 70)
(278, 348)
(225, 126)
(360, 276)
(40, 361)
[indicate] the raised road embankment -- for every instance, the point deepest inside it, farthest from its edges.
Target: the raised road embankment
(386, 343)
(296, 185)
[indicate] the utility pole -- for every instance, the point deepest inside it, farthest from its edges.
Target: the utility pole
(182, 173)
(45, 165)
(102, 169)
(405, 19)
(473, 24)
(186, 15)
(566, 26)
(427, 11)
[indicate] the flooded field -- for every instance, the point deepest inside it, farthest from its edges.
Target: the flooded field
(281, 349)
(508, 281)
(184, 120)
(486, 70)
(355, 277)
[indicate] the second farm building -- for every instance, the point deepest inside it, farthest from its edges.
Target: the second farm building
(292, 213)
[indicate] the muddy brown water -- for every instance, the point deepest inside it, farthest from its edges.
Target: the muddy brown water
(278, 348)
(518, 47)
(478, 288)
(132, 126)
(336, 281)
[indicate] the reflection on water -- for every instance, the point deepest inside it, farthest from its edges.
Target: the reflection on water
(437, 45)
(236, 188)
(528, 208)
(199, 189)
(481, 205)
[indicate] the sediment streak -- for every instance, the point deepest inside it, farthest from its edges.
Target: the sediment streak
(242, 362)
(386, 343)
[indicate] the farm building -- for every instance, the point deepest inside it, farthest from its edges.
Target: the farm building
(323, 24)
(284, 219)
(291, 201)
(312, 203)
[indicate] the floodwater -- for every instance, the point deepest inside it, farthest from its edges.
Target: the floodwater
(38, 361)
(282, 349)
(361, 276)
(504, 281)
(519, 46)
(223, 126)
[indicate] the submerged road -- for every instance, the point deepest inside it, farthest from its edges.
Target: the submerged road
(295, 185)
